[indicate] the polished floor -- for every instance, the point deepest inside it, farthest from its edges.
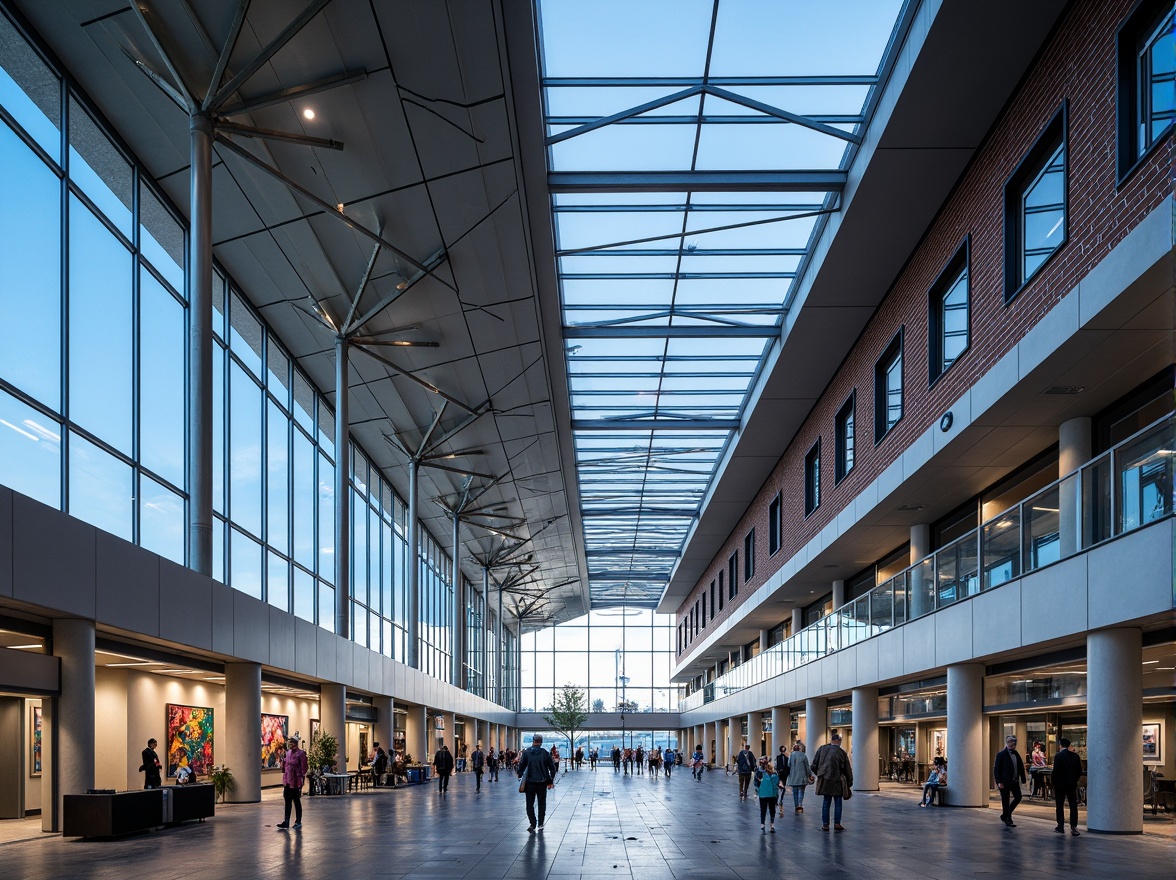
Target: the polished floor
(599, 825)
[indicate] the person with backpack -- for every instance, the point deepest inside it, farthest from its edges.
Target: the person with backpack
(745, 762)
(767, 786)
(537, 775)
(668, 759)
(478, 760)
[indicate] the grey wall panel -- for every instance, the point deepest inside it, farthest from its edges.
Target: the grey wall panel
(996, 620)
(222, 618)
(890, 654)
(918, 644)
(1054, 602)
(22, 670)
(327, 663)
(127, 585)
(1132, 577)
(305, 647)
(185, 606)
(953, 634)
(5, 541)
(282, 649)
(251, 634)
(53, 558)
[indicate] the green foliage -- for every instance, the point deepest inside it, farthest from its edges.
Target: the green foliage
(222, 781)
(569, 711)
(323, 752)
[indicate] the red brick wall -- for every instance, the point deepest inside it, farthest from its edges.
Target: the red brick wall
(1078, 65)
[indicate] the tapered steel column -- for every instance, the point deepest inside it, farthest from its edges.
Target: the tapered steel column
(413, 623)
(500, 658)
(342, 492)
(199, 453)
(485, 689)
(457, 618)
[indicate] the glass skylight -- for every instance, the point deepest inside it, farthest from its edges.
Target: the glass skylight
(695, 150)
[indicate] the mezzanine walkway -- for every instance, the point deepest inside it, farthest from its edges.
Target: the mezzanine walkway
(599, 825)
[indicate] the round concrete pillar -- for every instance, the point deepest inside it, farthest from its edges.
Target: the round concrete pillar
(865, 739)
(1114, 716)
(73, 746)
(242, 752)
(755, 732)
(816, 724)
(969, 765)
(780, 730)
(333, 717)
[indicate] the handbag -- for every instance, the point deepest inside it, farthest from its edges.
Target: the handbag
(846, 791)
(522, 786)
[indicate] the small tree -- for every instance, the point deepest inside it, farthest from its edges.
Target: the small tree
(568, 714)
(598, 705)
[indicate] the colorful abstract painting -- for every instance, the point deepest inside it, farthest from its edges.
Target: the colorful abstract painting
(274, 730)
(36, 741)
(189, 739)
(314, 730)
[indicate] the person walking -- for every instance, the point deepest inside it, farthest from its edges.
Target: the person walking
(478, 760)
(782, 773)
(834, 776)
(294, 767)
(639, 758)
(1067, 770)
(697, 763)
(745, 762)
(443, 764)
(668, 759)
(1009, 772)
(537, 773)
(800, 776)
(767, 786)
(492, 766)
(616, 759)
(151, 766)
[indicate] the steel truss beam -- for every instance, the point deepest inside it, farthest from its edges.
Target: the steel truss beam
(694, 181)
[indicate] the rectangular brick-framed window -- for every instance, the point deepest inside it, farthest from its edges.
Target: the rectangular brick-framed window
(843, 435)
(721, 592)
(812, 478)
(888, 402)
(774, 525)
(733, 575)
(1146, 82)
(949, 314)
(1036, 197)
(704, 609)
(713, 605)
(749, 556)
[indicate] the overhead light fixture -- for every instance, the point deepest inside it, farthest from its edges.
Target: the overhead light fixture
(308, 113)
(26, 647)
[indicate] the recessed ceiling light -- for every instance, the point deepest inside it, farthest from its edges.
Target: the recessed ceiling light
(308, 113)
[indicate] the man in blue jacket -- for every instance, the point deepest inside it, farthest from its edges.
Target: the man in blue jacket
(537, 771)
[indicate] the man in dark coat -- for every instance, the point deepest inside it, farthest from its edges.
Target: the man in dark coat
(537, 771)
(745, 762)
(478, 759)
(1067, 770)
(834, 773)
(151, 766)
(443, 764)
(1009, 772)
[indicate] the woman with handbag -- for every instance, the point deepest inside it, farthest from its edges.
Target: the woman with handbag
(834, 778)
(800, 776)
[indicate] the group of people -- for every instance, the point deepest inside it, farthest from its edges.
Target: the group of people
(829, 769)
(1008, 770)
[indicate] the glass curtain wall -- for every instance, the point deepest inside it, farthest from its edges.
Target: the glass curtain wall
(619, 656)
(92, 272)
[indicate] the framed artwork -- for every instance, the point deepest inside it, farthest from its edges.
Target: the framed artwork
(35, 740)
(314, 730)
(189, 738)
(1152, 748)
(274, 730)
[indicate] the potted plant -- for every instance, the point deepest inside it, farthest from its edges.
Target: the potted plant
(321, 758)
(222, 781)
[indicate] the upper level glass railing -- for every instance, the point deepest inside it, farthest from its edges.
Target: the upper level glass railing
(1125, 488)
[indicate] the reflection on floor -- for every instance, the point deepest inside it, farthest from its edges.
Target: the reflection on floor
(599, 824)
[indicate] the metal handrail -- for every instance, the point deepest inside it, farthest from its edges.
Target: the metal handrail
(921, 588)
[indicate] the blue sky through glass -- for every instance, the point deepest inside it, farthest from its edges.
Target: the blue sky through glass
(672, 300)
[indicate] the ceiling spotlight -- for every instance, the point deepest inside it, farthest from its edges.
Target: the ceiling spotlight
(339, 207)
(308, 113)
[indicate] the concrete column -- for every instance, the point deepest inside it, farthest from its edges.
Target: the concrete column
(75, 722)
(412, 529)
(333, 715)
(797, 620)
(342, 491)
(921, 599)
(499, 659)
(763, 640)
(780, 730)
(415, 729)
(865, 739)
(1114, 716)
(1074, 450)
(969, 763)
(713, 746)
(755, 732)
(446, 736)
(816, 724)
(242, 751)
(200, 345)
(838, 594)
(458, 617)
(734, 736)
(697, 737)
(385, 722)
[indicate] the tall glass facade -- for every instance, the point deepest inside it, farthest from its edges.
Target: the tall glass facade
(619, 656)
(93, 384)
